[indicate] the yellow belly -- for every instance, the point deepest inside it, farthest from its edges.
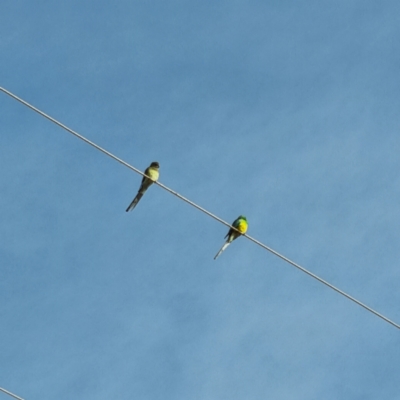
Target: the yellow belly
(153, 174)
(242, 227)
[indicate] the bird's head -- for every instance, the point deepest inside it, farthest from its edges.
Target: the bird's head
(243, 217)
(155, 164)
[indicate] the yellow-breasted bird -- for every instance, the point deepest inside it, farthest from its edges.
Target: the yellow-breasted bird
(240, 223)
(152, 174)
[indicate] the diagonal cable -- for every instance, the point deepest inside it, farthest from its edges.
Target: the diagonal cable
(9, 393)
(202, 209)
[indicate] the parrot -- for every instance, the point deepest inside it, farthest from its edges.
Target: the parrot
(152, 174)
(240, 223)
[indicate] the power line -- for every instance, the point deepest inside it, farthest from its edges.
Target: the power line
(9, 393)
(201, 209)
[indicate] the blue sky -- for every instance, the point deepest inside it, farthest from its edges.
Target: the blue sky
(286, 112)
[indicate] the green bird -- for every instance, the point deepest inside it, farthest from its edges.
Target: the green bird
(152, 173)
(241, 225)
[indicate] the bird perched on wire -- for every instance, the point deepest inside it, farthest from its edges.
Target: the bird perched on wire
(241, 225)
(152, 174)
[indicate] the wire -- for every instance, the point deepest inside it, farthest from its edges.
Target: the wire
(11, 394)
(202, 209)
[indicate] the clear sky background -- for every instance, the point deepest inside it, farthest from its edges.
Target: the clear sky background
(284, 111)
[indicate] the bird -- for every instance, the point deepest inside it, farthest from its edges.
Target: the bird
(152, 174)
(240, 223)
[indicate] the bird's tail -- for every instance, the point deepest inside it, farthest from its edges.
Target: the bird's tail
(134, 202)
(222, 249)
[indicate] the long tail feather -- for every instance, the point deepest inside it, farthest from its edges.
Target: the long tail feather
(222, 249)
(134, 202)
